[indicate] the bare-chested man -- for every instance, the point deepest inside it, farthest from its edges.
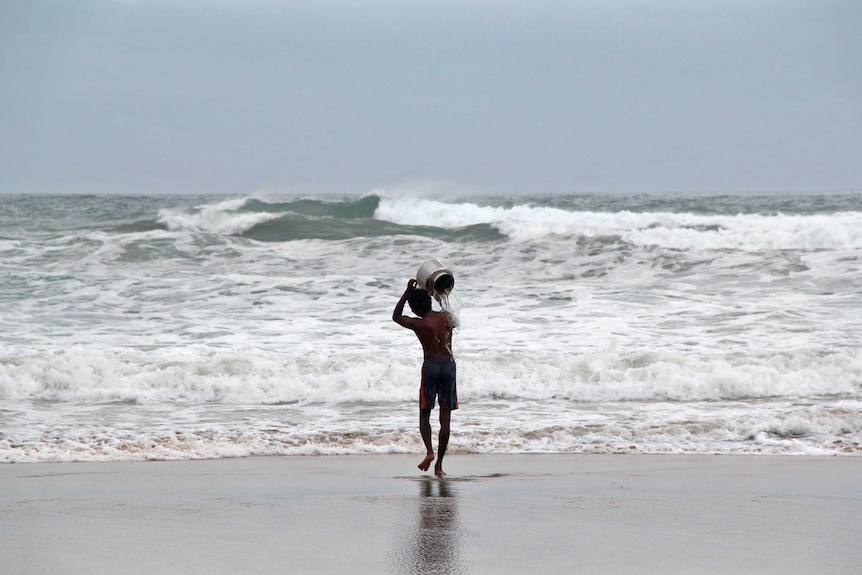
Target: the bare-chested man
(434, 330)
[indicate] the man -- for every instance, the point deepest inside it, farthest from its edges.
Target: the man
(434, 330)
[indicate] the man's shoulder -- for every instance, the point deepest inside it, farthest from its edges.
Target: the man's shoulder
(442, 318)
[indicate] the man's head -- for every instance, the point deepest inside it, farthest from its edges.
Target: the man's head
(419, 301)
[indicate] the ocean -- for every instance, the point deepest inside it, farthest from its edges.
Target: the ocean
(186, 327)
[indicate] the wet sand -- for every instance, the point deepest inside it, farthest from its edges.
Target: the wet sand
(493, 514)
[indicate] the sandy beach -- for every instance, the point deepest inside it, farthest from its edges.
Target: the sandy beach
(377, 514)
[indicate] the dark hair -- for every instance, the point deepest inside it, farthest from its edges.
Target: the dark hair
(420, 301)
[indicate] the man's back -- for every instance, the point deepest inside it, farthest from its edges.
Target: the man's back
(434, 331)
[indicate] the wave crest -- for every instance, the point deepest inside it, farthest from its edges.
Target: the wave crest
(683, 231)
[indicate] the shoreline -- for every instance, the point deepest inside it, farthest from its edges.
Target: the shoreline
(513, 513)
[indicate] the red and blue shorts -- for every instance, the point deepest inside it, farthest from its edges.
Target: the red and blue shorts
(438, 378)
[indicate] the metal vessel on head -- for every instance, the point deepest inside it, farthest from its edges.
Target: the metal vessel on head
(435, 278)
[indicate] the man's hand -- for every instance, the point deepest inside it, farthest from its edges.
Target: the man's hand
(397, 314)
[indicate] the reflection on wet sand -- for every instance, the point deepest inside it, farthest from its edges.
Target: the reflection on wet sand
(434, 546)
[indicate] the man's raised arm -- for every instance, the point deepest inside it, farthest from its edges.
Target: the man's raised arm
(398, 313)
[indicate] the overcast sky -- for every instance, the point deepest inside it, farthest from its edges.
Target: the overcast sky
(221, 96)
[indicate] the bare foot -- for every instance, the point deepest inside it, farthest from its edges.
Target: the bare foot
(426, 463)
(438, 471)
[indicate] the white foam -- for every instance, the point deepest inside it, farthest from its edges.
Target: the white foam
(219, 218)
(254, 376)
(131, 432)
(751, 232)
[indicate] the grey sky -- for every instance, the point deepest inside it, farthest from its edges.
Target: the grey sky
(236, 96)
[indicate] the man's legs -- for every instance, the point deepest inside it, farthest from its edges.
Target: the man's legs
(443, 439)
(425, 431)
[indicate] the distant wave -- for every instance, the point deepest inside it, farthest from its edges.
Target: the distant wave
(301, 219)
(345, 208)
(225, 217)
(374, 215)
(749, 232)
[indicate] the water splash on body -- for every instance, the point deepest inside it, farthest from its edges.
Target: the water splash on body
(451, 305)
